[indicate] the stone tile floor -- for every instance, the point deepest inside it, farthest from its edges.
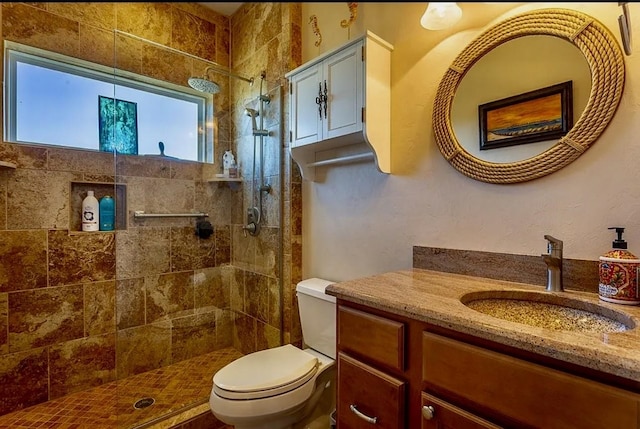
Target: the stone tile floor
(175, 388)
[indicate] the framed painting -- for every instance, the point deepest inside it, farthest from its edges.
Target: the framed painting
(118, 125)
(543, 114)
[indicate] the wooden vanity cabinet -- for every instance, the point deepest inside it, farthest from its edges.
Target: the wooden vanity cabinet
(409, 374)
(367, 396)
(372, 389)
(522, 393)
(379, 339)
(439, 414)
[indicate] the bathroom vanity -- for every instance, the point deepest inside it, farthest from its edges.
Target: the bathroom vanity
(413, 354)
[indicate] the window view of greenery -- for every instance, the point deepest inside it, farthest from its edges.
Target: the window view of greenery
(54, 103)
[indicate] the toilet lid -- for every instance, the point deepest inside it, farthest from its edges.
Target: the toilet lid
(265, 373)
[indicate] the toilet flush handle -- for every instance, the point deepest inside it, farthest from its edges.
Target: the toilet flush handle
(366, 418)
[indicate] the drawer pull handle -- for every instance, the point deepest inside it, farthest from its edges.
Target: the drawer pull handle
(366, 418)
(428, 412)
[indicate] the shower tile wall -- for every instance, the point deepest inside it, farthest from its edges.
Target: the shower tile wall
(78, 310)
(266, 37)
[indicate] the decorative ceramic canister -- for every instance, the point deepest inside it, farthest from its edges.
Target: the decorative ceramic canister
(618, 271)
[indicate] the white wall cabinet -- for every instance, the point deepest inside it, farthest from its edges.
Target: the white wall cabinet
(327, 98)
(339, 99)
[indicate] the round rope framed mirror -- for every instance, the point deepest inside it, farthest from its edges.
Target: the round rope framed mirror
(606, 64)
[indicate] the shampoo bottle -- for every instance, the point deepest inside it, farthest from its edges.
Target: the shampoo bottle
(227, 161)
(233, 170)
(107, 213)
(618, 271)
(90, 213)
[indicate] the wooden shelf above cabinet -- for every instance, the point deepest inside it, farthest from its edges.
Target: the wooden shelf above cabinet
(7, 165)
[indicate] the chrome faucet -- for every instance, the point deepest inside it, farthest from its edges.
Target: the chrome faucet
(553, 259)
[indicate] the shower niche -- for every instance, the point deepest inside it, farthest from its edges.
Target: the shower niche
(342, 99)
(77, 193)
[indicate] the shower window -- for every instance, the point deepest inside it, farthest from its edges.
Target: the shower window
(56, 100)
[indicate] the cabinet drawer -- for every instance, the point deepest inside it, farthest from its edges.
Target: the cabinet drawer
(447, 416)
(374, 394)
(375, 337)
(522, 391)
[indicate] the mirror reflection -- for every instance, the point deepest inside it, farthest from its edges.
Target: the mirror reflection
(516, 67)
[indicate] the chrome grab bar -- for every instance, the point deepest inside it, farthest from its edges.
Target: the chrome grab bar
(142, 214)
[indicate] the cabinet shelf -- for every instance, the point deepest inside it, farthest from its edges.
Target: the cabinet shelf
(341, 99)
(232, 183)
(343, 159)
(7, 165)
(225, 179)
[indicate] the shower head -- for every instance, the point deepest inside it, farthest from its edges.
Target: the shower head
(203, 84)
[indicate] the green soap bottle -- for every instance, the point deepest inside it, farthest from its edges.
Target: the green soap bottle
(107, 213)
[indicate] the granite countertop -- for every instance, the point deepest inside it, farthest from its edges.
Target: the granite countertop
(434, 297)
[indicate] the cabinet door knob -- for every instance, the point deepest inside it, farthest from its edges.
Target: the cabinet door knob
(428, 412)
(366, 418)
(320, 100)
(319, 103)
(326, 99)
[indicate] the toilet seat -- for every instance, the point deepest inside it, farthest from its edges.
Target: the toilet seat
(265, 373)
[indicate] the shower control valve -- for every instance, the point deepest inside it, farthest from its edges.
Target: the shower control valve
(253, 215)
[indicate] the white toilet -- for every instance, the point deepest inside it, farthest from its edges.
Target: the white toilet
(278, 387)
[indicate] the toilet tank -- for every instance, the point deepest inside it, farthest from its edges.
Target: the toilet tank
(317, 316)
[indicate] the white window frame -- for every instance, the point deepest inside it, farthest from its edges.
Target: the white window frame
(16, 52)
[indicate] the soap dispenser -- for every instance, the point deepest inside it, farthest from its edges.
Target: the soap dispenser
(618, 270)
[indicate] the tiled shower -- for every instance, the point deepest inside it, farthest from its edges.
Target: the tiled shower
(81, 310)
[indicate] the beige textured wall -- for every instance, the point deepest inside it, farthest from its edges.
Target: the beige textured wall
(360, 222)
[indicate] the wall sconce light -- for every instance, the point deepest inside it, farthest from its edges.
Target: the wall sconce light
(439, 16)
(624, 21)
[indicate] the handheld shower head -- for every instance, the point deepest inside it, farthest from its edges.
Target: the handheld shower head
(253, 113)
(203, 84)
